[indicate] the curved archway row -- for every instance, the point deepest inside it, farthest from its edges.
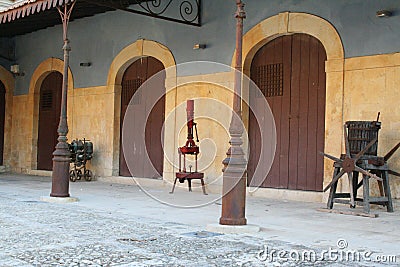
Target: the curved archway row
(290, 23)
(281, 24)
(121, 62)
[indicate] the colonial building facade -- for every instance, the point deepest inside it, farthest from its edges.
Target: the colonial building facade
(326, 62)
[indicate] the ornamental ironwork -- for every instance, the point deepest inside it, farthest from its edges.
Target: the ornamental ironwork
(181, 11)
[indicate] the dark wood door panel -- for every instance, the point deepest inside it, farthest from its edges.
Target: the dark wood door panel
(294, 86)
(49, 117)
(147, 143)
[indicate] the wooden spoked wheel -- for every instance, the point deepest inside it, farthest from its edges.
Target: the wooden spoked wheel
(349, 165)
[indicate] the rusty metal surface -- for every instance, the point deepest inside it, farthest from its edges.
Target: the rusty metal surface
(189, 175)
(348, 165)
(234, 177)
(60, 176)
(61, 159)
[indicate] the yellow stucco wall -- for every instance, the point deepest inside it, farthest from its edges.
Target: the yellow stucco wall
(372, 86)
(92, 118)
(20, 142)
(213, 101)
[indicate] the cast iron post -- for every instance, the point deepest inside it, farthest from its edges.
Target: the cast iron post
(61, 156)
(234, 177)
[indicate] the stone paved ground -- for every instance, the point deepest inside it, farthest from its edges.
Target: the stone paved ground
(35, 233)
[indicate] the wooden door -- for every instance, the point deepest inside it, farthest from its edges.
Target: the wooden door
(150, 143)
(290, 72)
(49, 117)
(2, 119)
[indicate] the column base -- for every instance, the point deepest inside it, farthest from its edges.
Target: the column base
(231, 221)
(233, 229)
(53, 199)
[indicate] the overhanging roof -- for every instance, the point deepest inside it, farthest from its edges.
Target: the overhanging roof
(31, 15)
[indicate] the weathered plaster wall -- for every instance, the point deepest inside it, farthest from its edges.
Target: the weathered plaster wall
(21, 128)
(213, 100)
(85, 122)
(99, 39)
(372, 86)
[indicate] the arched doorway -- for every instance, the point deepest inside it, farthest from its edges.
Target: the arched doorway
(290, 71)
(135, 75)
(2, 119)
(49, 117)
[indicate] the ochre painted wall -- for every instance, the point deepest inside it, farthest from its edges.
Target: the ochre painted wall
(92, 118)
(371, 85)
(20, 142)
(213, 101)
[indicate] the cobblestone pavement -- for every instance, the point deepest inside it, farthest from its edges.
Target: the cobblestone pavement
(35, 233)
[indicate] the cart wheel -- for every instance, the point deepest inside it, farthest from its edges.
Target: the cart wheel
(88, 175)
(79, 174)
(72, 175)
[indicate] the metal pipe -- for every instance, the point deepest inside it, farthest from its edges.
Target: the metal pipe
(190, 118)
(180, 159)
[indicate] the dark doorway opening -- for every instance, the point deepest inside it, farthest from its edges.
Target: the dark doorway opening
(49, 117)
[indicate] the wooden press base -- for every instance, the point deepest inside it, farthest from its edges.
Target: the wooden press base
(385, 198)
(189, 176)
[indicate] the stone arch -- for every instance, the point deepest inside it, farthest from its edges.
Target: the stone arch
(121, 62)
(42, 70)
(8, 80)
(290, 23)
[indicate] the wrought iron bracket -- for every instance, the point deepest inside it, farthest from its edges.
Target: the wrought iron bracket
(181, 11)
(65, 14)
